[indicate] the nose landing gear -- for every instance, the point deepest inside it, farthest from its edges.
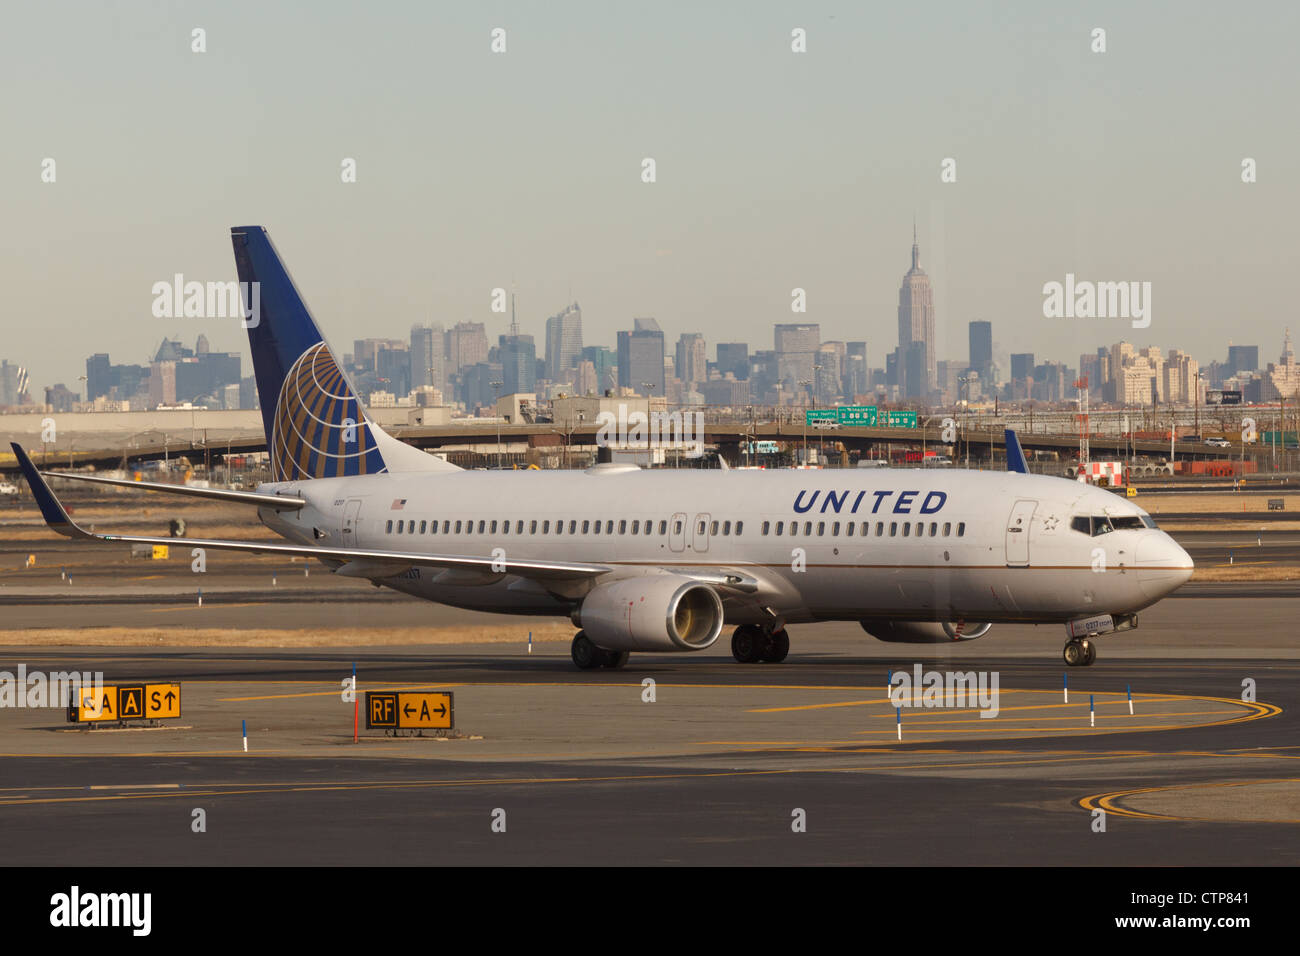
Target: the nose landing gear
(1079, 652)
(751, 644)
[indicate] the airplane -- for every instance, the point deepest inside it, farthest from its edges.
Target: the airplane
(661, 560)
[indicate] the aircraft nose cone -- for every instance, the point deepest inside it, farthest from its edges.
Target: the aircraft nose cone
(1162, 565)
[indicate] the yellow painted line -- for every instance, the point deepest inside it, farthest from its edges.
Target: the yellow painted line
(331, 693)
(196, 607)
(1121, 699)
(991, 722)
(1110, 802)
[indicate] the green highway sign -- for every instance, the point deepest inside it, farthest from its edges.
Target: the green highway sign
(820, 415)
(864, 415)
(899, 418)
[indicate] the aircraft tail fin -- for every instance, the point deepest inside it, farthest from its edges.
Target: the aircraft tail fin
(315, 424)
(1015, 454)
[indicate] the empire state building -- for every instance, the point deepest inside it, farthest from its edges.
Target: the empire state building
(916, 358)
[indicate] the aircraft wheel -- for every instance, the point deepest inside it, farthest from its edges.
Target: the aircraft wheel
(1075, 655)
(778, 646)
(585, 654)
(748, 644)
(1089, 653)
(615, 659)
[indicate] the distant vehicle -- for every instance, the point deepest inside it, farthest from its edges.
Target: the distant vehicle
(825, 423)
(7, 488)
(872, 463)
(1218, 442)
(1190, 438)
(937, 461)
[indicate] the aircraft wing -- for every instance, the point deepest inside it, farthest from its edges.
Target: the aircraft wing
(277, 502)
(364, 562)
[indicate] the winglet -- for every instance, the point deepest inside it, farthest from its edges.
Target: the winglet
(1015, 454)
(51, 510)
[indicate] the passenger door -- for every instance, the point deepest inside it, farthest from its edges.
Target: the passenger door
(1018, 525)
(700, 533)
(351, 522)
(677, 532)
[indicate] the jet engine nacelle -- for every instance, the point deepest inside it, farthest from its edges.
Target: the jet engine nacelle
(657, 612)
(925, 632)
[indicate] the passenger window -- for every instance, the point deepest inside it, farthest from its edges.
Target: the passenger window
(794, 527)
(961, 528)
(920, 529)
(821, 528)
(779, 526)
(493, 528)
(648, 526)
(596, 529)
(519, 526)
(389, 529)
(481, 525)
(663, 527)
(433, 527)
(532, 527)
(573, 526)
(458, 527)
(699, 528)
(446, 526)
(893, 528)
(907, 527)
(740, 526)
(586, 527)
(713, 528)
(726, 528)
(677, 527)
(947, 528)
(848, 529)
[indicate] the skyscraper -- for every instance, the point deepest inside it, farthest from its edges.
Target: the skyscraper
(981, 346)
(692, 358)
(426, 357)
(733, 357)
(641, 357)
(916, 324)
(563, 342)
(796, 351)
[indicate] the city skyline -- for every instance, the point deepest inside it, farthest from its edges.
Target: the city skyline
(791, 189)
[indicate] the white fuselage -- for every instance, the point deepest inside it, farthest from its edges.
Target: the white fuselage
(880, 543)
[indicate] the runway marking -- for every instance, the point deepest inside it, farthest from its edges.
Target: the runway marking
(370, 685)
(1109, 802)
(197, 607)
(202, 790)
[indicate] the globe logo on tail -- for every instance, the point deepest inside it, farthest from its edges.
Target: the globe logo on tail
(320, 430)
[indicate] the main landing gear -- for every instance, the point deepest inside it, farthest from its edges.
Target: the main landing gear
(588, 656)
(752, 643)
(1079, 652)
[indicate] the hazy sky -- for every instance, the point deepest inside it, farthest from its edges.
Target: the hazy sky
(775, 169)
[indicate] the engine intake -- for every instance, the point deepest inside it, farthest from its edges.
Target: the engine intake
(661, 612)
(924, 632)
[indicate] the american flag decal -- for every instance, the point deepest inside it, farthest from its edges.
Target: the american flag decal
(398, 504)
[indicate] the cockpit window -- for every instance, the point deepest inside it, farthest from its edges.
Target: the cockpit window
(1127, 523)
(1100, 525)
(1149, 521)
(1081, 523)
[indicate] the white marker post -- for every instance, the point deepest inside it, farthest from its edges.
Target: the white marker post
(889, 682)
(899, 712)
(1066, 685)
(1092, 713)
(530, 642)
(1130, 700)
(200, 597)
(245, 725)
(273, 579)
